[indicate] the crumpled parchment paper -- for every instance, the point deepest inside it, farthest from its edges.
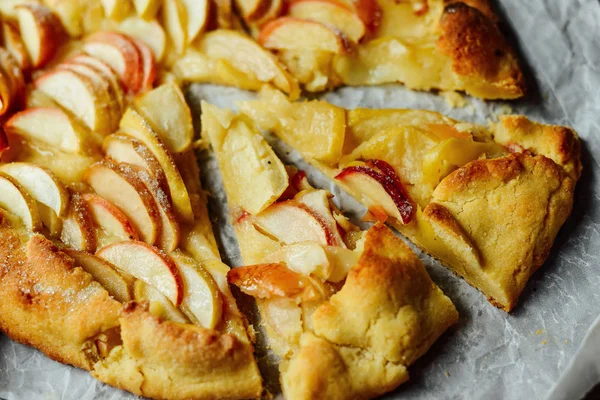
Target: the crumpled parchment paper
(489, 354)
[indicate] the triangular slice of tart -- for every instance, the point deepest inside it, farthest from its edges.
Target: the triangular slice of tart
(488, 202)
(347, 310)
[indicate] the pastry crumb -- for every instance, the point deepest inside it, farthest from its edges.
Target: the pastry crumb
(544, 342)
(503, 109)
(539, 331)
(566, 341)
(447, 374)
(454, 99)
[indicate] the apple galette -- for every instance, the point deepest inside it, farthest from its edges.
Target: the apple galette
(347, 310)
(486, 201)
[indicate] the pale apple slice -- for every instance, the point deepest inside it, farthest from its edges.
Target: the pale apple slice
(175, 22)
(51, 126)
(318, 202)
(292, 222)
(148, 264)
(13, 42)
(150, 32)
(129, 193)
(332, 13)
(80, 96)
(41, 184)
(245, 55)
(252, 10)
(78, 228)
(121, 54)
(146, 8)
(253, 175)
(379, 191)
(35, 98)
(284, 34)
(168, 113)
(149, 65)
(106, 73)
(169, 236)
(42, 32)
(197, 17)
(103, 273)
(15, 199)
(116, 9)
(134, 125)
(202, 300)
(159, 305)
(112, 225)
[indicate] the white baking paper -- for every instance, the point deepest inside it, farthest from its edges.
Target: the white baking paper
(489, 354)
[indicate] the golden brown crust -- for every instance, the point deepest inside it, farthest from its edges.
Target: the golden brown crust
(479, 52)
(388, 290)
(163, 359)
(47, 303)
(510, 209)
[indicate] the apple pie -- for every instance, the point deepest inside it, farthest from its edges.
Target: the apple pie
(487, 202)
(347, 310)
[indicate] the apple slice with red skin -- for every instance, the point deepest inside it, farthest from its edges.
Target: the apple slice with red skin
(41, 30)
(112, 224)
(330, 12)
(148, 65)
(148, 264)
(291, 222)
(287, 33)
(78, 227)
(379, 189)
(318, 202)
(106, 72)
(121, 54)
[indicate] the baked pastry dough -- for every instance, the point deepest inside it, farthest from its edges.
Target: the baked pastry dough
(330, 318)
(487, 202)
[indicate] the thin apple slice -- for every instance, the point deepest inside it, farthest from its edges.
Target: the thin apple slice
(197, 17)
(148, 264)
(318, 202)
(78, 228)
(134, 125)
(12, 87)
(116, 9)
(169, 235)
(15, 199)
(175, 23)
(378, 190)
(103, 273)
(283, 34)
(148, 65)
(160, 306)
(129, 193)
(292, 222)
(168, 113)
(13, 42)
(121, 54)
(41, 184)
(105, 72)
(150, 32)
(51, 126)
(332, 13)
(80, 96)
(253, 175)
(146, 8)
(6, 93)
(247, 56)
(202, 300)
(252, 10)
(42, 32)
(112, 225)
(3, 141)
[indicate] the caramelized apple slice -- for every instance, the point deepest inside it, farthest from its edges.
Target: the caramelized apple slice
(41, 30)
(129, 193)
(168, 113)
(103, 273)
(148, 264)
(202, 299)
(332, 13)
(111, 223)
(150, 32)
(16, 200)
(159, 304)
(252, 10)
(378, 190)
(289, 33)
(13, 42)
(292, 222)
(78, 228)
(121, 54)
(12, 83)
(134, 125)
